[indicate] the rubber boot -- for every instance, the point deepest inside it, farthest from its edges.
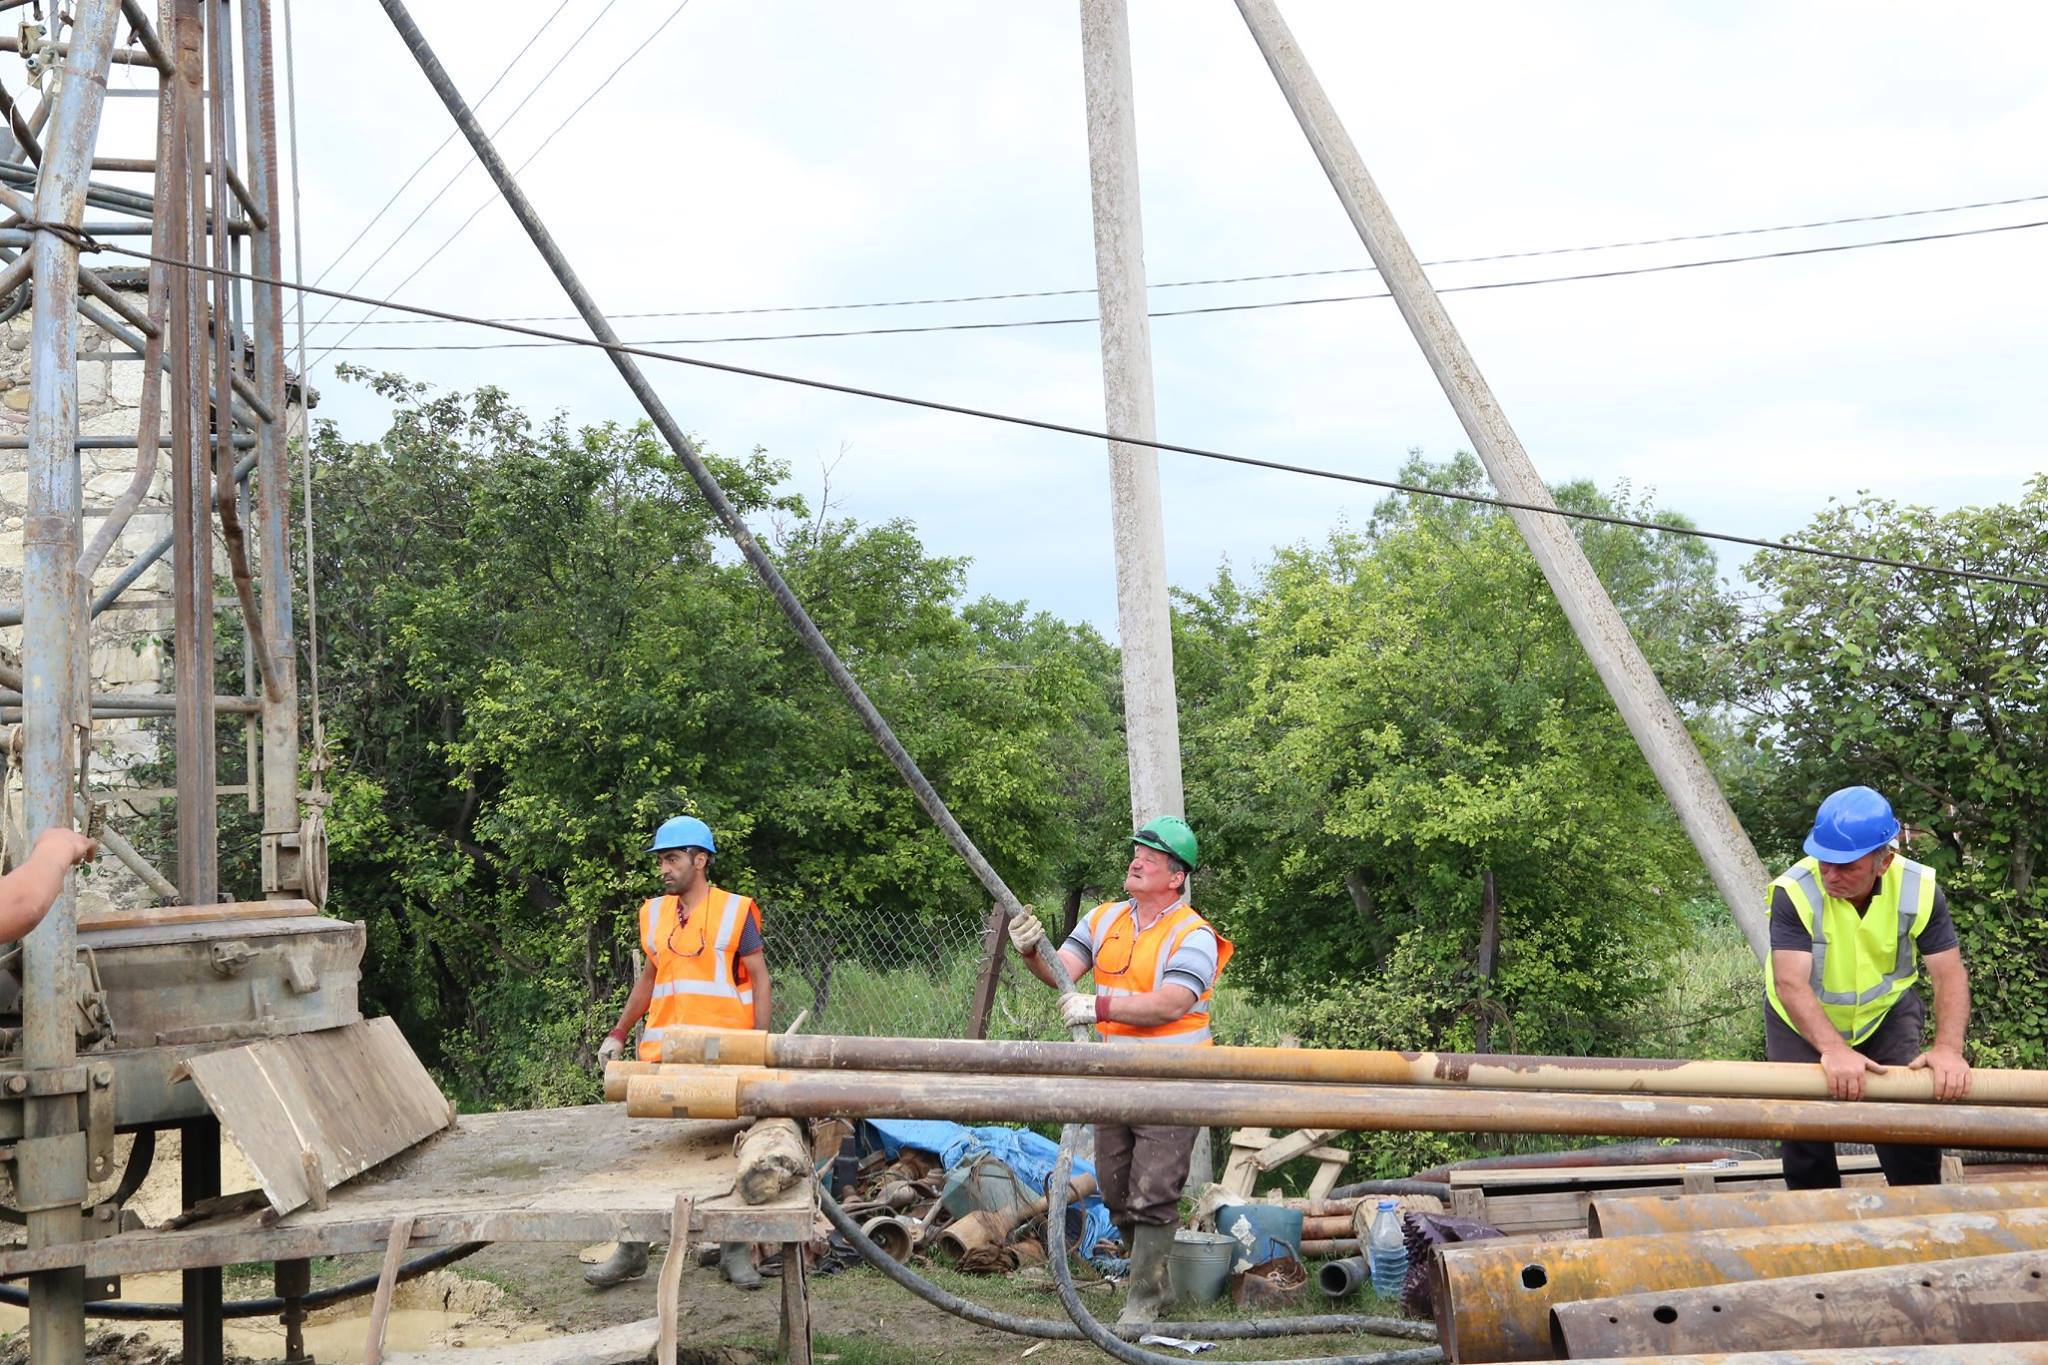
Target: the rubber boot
(736, 1259)
(628, 1261)
(1145, 1300)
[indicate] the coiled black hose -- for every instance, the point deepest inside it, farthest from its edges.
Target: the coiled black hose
(1240, 1329)
(262, 1308)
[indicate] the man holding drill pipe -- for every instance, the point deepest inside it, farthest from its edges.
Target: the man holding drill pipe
(706, 966)
(1850, 925)
(1155, 961)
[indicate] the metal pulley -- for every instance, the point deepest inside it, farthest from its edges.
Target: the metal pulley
(313, 857)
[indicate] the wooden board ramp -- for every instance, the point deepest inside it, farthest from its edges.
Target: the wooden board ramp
(312, 1110)
(629, 1344)
(154, 916)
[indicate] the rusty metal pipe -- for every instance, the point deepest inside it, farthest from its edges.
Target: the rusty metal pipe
(1650, 1215)
(1953, 1303)
(1577, 1075)
(731, 1092)
(2016, 1353)
(1493, 1302)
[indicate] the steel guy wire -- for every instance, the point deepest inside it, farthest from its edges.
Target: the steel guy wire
(1243, 279)
(644, 352)
(432, 256)
(1206, 309)
(442, 146)
(463, 169)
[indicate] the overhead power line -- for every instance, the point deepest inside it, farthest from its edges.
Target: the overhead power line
(1069, 429)
(646, 44)
(1023, 323)
(1889, 216)
(442, 146)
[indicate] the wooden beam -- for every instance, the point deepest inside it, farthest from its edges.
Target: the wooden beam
(993, 938)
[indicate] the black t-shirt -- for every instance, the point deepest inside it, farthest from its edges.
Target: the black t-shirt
(1789, 934)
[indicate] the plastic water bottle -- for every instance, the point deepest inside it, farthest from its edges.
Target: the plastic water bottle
(1386, 1251)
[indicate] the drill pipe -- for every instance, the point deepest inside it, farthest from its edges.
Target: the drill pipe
(1976, 1299)
(1590, 1075)
(729, 1092)
(1493, 1302)
(2016, 1353)
(1648, 1215)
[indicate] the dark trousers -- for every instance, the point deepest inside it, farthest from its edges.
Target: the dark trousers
(1894, 1042)
(1140, 1170)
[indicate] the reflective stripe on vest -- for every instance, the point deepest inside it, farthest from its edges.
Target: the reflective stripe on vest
(1150, 951)
(1905, 892)
(698, 988)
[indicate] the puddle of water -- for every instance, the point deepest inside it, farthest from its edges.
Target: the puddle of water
(418, 1322)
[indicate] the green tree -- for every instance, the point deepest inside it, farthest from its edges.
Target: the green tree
(537, 651)
(1934, 690)
(1417, 717)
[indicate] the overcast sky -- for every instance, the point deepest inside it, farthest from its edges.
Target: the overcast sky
(804, 152)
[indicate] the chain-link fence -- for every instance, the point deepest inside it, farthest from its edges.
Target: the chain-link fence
(884, 976)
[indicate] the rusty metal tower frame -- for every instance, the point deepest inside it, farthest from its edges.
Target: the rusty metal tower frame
(212, 353)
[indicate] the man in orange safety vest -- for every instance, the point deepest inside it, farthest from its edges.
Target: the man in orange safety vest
(706, 967)
(1155, 962)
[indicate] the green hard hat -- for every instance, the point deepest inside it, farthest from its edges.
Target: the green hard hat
(1170, 834)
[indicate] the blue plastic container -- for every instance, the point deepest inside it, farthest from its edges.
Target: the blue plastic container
(1263, 1232)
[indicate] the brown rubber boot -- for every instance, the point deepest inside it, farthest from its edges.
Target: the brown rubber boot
(628, 1261)
(736, 1259)
(1145, 1299)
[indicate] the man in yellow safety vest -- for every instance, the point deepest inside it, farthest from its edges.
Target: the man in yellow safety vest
(1851, 924)
(706, 967)
(1155, 961)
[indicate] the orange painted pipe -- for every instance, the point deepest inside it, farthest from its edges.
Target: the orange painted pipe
(1575, 1075)
(1649, 1215)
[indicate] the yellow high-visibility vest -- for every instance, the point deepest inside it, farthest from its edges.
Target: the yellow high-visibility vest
(1862, 963)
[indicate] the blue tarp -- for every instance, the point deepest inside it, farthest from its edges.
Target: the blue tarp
(1031, 1156)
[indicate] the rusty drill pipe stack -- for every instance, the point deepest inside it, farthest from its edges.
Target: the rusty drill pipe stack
(730, 1092)
(1953, 1303)
(1493, 1302)
(1650, 1215)
(1576, 1075)
(2016, 1353)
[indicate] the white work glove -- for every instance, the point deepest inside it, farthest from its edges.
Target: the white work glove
(1026, 933)
(610, 1050)
(1077, 1010)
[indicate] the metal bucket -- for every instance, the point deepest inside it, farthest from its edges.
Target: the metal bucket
(1262, 1232)
(1199, 1266)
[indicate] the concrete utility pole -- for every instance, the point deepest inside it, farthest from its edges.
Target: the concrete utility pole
(1730, 858)
(1144, 622)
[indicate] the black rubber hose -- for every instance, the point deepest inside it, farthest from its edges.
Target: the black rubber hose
(1108, 1342)
(262, 1308)
(1239, 1329)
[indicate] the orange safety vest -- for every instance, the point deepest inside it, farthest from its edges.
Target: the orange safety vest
(696, 980)
(1128, 962)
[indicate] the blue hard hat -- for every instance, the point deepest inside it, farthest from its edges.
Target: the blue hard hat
(683, 831)
(1850, 823)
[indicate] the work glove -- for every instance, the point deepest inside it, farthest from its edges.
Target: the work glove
(1077, 1010)
(610, 1050)
(1026, 933)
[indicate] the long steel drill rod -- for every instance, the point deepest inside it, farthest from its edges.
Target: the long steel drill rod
(741, 1092)
(1581, 1075)
(686, 451)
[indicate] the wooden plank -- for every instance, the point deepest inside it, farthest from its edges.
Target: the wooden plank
(576, 1175)
(1326, 1177)
(1282, 1150)
(312, 1110)
(1620, 1175)
(668, 1287)
(628, 1344)
(387, 1284)
(794, 1339)
(993, 939)
(155, 916)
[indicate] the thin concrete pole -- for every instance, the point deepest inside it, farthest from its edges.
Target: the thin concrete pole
(51, 1157)
(1137, 528)
(1702, 809)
